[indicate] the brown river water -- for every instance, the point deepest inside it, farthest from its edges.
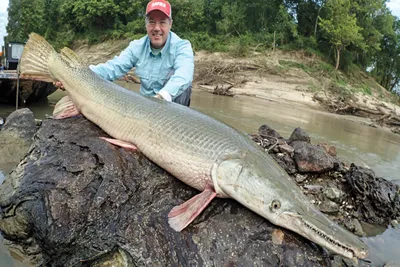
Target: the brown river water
(354, 142)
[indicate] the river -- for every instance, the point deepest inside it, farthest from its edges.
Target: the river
(355, 142)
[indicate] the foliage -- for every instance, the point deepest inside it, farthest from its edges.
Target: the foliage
(341, 27)
(359, 34)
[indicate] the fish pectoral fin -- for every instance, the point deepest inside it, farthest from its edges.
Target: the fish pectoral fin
(181, 216)
(120, 143)
(65, 108)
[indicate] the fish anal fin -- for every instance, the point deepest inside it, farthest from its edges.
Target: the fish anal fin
(181, 216)
(65, 108)
(120, 143)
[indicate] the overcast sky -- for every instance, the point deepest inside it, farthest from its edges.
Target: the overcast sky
(394, 5)
(3, 20)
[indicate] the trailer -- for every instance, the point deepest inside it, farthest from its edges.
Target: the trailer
(12, 54)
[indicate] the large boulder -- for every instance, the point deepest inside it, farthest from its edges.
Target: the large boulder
(16, 136)
(75, 200)
(377, 200)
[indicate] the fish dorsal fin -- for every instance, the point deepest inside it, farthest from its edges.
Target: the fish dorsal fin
(70, 57)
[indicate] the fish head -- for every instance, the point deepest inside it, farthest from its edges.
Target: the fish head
(265, 188)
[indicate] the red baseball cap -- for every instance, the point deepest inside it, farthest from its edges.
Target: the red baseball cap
(161, 5)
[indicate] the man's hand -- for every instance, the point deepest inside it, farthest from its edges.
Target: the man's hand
(158, 96)
(59, 85)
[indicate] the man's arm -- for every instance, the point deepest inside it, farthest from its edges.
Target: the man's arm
(118, 66)
(183, 72)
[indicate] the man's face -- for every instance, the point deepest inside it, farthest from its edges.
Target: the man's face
(158, 26)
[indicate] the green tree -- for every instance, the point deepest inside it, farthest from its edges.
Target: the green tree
(90, 14)
(387, 61)
(341, 27)
(25, 16)
(233, 17)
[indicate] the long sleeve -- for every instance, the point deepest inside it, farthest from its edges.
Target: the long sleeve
(183, 70)
(119, 65)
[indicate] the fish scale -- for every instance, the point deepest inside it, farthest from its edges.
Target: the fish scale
(165, 135)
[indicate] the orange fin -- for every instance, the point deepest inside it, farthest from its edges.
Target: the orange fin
(120, 143)
(65, 108)
(181, 216)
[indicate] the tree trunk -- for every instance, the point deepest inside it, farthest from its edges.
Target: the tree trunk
(316, 23)
(274, 44)
(337, 57)
(394, 83)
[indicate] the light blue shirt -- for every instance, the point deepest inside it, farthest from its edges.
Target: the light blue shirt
(171, 70)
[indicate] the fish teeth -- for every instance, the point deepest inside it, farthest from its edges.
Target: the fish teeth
(326, 237)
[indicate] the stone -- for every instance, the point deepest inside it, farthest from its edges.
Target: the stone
(21, 123)
(286, 162)
(395, 224)
(310, 158)
(16, 136)
(299, 135)
(286, 149)
(354, 226)
(328, 207)
(300, 178)
(267, 132)
(333, 194)
(331, 150)
(373, 195)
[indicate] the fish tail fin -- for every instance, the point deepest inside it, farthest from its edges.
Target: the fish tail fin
(70, 57)
(35, 59)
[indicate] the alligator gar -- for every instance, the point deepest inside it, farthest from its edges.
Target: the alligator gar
(202, 152)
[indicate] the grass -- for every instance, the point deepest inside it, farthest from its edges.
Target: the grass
(292, 64)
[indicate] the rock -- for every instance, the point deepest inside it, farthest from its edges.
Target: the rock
(16, 136)
(333, 194)
(331, 150)
(377, 199)
(314, 188)
(328, 207)
(20, 123)
(355, 227)
(337, 261)
(266, 131)
(299, 135)
(300, 178)
(78, 201)
(310, 158)
(278, 237)
(286, 162)
(286, 149)
(394, 224)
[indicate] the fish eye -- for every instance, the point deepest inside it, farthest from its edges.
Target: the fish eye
(275, 205)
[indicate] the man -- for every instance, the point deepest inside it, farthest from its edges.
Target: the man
(164, 62)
